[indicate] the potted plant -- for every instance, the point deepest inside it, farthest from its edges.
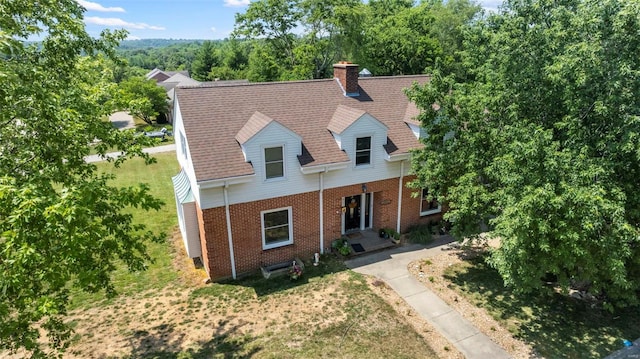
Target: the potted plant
(295, 271)
(392, 234)
(342, 246)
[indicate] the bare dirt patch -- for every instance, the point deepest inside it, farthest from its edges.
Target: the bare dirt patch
(336, 315)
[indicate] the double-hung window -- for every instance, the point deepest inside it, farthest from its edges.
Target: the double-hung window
(363, 151)
(274, 162)
(183, 145)
(276, 228)
(427, 206)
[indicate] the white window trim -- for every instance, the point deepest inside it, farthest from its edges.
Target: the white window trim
(266, 246)
(183, 145)
(431, 211)
(355, 151)
(284, 162)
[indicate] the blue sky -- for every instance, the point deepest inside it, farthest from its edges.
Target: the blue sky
(173, 19)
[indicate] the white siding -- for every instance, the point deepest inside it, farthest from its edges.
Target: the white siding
(184, 159)
(295, 181)
(191, 231)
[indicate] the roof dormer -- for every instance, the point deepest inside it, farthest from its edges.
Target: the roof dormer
(268, 145)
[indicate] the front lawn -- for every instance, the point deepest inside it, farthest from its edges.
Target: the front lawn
(555, 326)
(158, 177)
(167, 311)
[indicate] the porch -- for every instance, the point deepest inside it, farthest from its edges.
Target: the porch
(367, 241)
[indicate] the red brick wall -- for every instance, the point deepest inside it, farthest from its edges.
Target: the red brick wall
(247, 234)
(411, 208)
(247, 229)
(214, 242)
(385, 204)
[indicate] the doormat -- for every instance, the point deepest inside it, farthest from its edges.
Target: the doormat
(357, 247)
(354, 235)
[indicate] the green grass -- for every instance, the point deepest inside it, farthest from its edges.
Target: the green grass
(555, 325)
(160, 273)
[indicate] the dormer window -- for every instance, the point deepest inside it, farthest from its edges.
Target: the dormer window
(274, 162)
(363, 151)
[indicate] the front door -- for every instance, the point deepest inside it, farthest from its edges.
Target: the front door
(352, 214)
(357, 214)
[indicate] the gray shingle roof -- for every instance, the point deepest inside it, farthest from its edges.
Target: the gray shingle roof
(213, 116)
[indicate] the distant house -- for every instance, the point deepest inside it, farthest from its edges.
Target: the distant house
(161, 76)
(169, 80)
(172, 79)
(273, 171)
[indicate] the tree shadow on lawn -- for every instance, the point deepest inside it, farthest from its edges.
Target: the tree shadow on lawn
(163, 342)
(555, 325)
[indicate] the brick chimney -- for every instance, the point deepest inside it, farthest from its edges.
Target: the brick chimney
(347, 75)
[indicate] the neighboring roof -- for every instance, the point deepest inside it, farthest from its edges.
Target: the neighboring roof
(214, 115)
(161, 76)
(178, 80)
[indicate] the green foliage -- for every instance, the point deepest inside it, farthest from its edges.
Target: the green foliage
(541, 143)
(206, 58)
(420, 233)
(143, 98)
(401, 44)
(342, 246)
(328, 30)
(392, 233)
(62, 224)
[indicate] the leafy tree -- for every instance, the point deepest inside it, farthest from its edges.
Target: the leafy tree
(381, 9)
(263, 66)
(542, 144)
(143, 98)
(62, 224)
(403, 43)
(306, 37)
(449, 21)
(273, 20)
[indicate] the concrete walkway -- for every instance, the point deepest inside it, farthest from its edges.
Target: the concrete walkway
(391, 266)
(157, 149)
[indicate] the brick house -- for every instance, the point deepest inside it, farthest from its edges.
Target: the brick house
(271, 171)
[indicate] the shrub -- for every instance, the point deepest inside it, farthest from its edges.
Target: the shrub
(392, 233)
(342, 246)
(420, 233)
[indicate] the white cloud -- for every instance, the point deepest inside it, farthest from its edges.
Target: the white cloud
(213, 29)
(116, 22)
(236, 3)
(94, 6)
(133, 37)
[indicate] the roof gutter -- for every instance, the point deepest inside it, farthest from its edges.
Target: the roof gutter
(324, 168)
(398, 157)
(224, 182)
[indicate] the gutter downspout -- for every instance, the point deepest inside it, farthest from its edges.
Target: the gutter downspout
(400, 196)
(321, 174)
(229, 237)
